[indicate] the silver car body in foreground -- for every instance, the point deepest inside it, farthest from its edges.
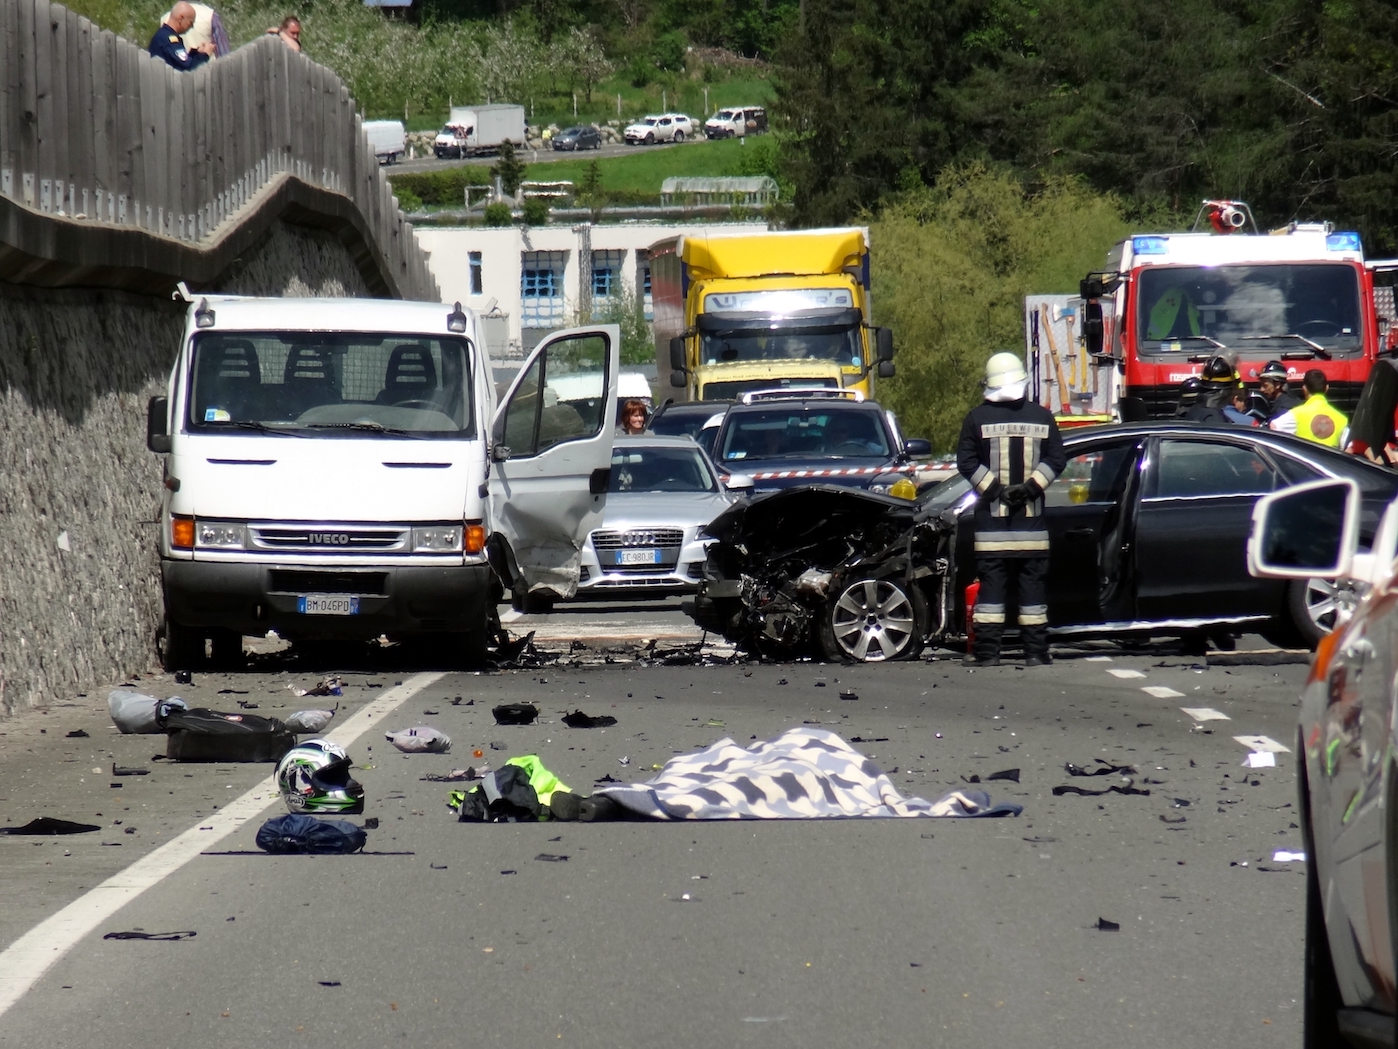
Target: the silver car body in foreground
(1347, 751)
(662, 491)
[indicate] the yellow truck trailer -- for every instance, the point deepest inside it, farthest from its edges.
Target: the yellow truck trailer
(747, 311)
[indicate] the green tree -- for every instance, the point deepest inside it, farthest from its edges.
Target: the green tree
(590, 192)
(509, 169)
(951, 267)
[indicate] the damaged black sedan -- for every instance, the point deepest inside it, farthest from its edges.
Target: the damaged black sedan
(1148, 526)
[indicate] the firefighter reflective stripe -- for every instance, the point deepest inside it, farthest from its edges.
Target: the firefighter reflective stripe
(1033, 615)
(1167, 310)
(985, 613)
(1043, 475)
(1012, 541)
(982, 479)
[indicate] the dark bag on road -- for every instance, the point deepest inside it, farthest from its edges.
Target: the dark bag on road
(504, 796)
(299, 834)
(210, 735)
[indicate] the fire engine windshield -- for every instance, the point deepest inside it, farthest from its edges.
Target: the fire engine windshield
(1275, 310)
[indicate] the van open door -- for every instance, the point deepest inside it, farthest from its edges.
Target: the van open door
(551, 456)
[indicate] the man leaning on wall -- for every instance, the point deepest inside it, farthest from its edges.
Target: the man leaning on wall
(168, 42)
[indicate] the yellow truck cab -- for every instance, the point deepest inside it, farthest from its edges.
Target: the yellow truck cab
(747, 311)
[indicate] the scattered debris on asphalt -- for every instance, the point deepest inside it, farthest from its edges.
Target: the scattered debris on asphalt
(1106, 769)
(312, 721)
(50, 826)
(139, 934)
(1106, 926)
(118, 770)
(77, 733)
(515, 713)
(421, 739)
(1008, 774)
(205, 735)
(551, 857)
(1114, 789)
(328, 686)
(849, 693)
(577, 719)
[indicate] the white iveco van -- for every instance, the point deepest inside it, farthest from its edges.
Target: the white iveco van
(339, 469)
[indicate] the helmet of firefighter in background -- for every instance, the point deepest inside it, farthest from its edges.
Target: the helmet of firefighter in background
(1219, 370)
(1004, 368)
(1273, 371)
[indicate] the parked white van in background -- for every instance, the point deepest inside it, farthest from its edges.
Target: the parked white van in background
(339, 469)
(387, 139)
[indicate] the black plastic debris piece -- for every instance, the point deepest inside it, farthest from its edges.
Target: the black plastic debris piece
(1171, 819)
(372, 823)
(509, 872)
(781, 681)
(116, 786)
(431, 712)
(577, 719)
(1105, 926)
(849, 693)
(1058, 792)
(232, 692)
(1181, 803)
(606, 778)
(820, 684)
(437, 866)
(551, 857)
(864, 739)
(1106, 768)
(508, 651)
(329, 983)
(51, 826)
(1039, 841)
(1010, 774)
(495, 744)
(77, 733)
(137, 934)
(118, 770)
(184, 677)
(515, 713)
(972, 778)
(245, 705)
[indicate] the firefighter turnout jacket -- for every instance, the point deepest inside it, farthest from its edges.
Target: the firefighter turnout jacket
(1316, 420)
(1011, 448)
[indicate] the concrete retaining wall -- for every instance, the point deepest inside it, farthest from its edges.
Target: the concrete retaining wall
(79, 492)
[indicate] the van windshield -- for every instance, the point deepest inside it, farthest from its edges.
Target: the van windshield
(327, 383)
(1281, 310)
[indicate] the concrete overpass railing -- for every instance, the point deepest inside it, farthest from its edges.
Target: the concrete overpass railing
(118, 171)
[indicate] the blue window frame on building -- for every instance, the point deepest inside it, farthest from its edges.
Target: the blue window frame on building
(477, 283)
(541, 288)
(643, 282)
(606, 273)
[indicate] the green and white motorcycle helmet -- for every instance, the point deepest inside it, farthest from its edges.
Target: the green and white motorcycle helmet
(314, 777)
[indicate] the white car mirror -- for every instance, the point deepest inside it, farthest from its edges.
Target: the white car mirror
(739, 483)
(1305, 532)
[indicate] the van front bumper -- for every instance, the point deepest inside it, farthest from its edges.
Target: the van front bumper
(392, 599)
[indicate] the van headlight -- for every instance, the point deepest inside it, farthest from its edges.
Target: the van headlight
(219, 535)
(437, 539)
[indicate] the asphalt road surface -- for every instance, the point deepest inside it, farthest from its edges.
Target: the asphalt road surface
(965, 933)
(532, 156)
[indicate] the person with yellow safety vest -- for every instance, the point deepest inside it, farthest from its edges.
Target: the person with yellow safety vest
(1315, 420)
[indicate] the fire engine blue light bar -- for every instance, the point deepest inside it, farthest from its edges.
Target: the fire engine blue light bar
(1342, 242)
(1150, 245)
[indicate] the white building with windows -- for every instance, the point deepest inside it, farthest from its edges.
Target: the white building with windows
(526, 280)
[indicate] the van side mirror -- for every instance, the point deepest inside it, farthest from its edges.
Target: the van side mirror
(1307, 531)
(887, 369)
(883, 343)
(157, 424)
(677, 359)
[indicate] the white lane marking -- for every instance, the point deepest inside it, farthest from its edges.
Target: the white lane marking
(1266, 743)
(30, 956)
(1288, 856)
(1260, 759)
(1161, 691)
(1124, 674)
(1203, 713)
(1098, 659)
(510, 616)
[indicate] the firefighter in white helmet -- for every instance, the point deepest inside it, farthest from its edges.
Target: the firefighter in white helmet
(1010, 451)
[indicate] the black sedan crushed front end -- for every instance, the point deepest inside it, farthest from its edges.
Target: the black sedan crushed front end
(827, 571)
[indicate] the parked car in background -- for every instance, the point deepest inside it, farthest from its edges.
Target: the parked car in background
(662, 127)
(662, 491)
(788, 437)
(575, 138)
(736, 121)
(387, 139)
(698, 420)
(1346, 769)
